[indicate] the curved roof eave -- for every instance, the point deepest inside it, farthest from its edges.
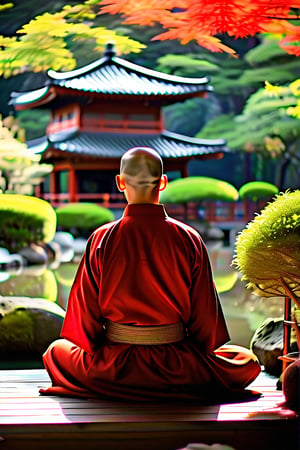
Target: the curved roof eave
(52, 74)
(33, 98)
(113, 145)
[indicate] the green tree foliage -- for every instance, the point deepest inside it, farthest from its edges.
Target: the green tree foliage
(34, 122)
(263, 59)
(267, 251)
(190, 116)
(263, 127)
(186, 65)
(20, 170)
(42, 43)
(6, 6)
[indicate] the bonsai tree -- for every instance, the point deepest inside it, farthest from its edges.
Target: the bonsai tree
(267, 251)
(268, 255)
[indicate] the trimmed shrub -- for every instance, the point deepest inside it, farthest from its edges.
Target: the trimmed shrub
(257, 190)
(81, 219)
(25, 220)
(197, 188)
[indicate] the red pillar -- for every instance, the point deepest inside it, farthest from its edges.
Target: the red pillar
(73, 195)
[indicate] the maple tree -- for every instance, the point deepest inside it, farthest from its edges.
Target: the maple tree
(265, 131)
(205, 20)
(293, 89)
(41, 43)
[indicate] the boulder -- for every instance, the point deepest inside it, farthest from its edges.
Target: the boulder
(66, 242)
(28, 326)
(34, 254)
(267, 345)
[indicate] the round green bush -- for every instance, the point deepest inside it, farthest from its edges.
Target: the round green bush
(25, 220)
(256, 190)
(82, 218)
(198, 188)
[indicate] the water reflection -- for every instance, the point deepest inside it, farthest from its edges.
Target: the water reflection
(243, 310)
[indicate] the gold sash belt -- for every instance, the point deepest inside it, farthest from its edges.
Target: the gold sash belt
(144, 335)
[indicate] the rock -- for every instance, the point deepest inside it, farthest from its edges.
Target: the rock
(215, 233)
(79, 246)
(267, 345)
(64, 239)
(34, 254)
(66, 243)
(53, 251)
(28, 326)
(10, 261)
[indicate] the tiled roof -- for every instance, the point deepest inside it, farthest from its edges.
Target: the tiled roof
(113, 145)
(117, 76)
(112, 75)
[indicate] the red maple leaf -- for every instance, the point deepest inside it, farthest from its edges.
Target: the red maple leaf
(202, 20)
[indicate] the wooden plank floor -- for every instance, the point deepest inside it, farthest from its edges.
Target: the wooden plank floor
(29, 421)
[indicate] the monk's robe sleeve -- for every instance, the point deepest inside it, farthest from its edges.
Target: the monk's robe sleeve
(82, 324)
(207, 323)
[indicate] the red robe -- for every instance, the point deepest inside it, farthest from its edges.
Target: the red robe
(146, 269)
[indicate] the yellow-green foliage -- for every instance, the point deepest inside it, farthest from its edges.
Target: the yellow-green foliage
(82, 216)
(255, 190)
(198, 188)
(267, 251)
(25, 219)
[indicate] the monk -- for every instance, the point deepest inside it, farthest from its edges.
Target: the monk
(144, 321)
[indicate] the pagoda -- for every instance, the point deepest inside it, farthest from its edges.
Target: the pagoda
(97, 113)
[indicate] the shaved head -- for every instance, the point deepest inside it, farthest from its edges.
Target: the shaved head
(141, 166)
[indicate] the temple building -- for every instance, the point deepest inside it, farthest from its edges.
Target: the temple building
(97, 113)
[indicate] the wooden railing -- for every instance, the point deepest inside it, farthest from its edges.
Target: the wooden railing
(213, 212)
(111, 201)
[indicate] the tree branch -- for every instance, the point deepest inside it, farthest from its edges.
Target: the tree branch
(289, 292)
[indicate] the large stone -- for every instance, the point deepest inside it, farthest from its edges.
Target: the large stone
(34, 254)
(10, 261)
(28, 326)
(267, 345)
(66, 242)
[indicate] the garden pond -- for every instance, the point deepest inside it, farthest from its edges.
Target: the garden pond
(243, 310)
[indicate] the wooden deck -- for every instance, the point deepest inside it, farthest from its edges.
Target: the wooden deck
(29, 421)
